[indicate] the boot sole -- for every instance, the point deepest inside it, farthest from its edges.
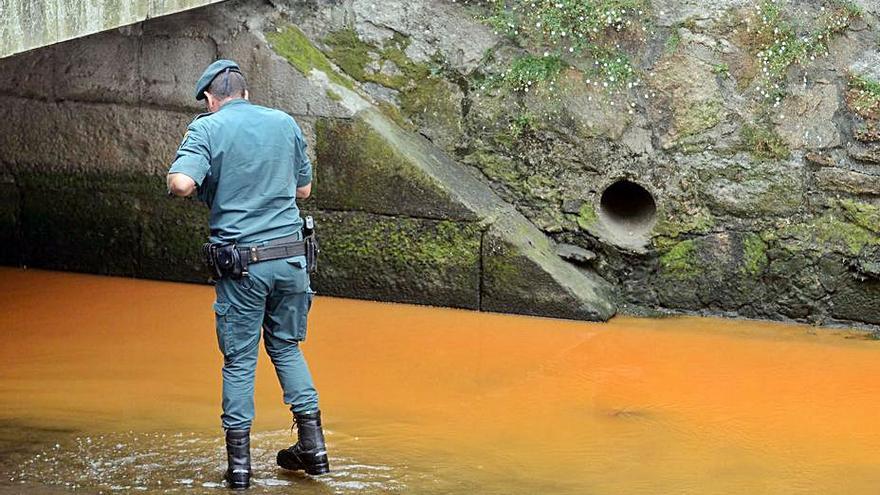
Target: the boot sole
(318, 469)
(237, 485)
(314, 469)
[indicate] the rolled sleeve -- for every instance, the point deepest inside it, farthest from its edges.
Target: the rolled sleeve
(193, 156)
(304, 165)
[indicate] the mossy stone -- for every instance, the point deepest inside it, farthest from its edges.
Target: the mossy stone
(111, 223)
(680, 260)
(410, 260)
(80, 229)
(587, 217)
(514, 282)
(699, 117)
(173, 231)
(295, 47)
(831, 232)
(754, 255)
(359, 169)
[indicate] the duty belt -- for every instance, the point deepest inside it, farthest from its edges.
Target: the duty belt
(227, 259)
(286, 247)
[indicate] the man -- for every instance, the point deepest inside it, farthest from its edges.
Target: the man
(249, 165)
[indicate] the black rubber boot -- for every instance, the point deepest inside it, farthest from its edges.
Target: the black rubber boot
(238, 454)
(309, 453)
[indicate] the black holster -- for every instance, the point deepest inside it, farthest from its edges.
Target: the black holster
(310, 237)
(225, 260)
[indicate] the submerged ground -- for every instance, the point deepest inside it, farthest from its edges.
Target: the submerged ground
(112, 385)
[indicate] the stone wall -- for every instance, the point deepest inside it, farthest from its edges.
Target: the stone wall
(749, 126)
(457, 153)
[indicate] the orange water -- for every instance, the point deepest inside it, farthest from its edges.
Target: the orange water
(113, 384)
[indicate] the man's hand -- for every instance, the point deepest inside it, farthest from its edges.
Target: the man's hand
(180, 185)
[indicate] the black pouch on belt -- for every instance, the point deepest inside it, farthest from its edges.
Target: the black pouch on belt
(225, 260)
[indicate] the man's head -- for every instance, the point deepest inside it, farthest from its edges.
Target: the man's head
(222, 81)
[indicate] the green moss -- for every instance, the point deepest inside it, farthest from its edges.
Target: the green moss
(430, 97)
(394, 114)
(587, 216)
(333, 95)
(754, 255)
(404, 244)
(399, 258)
(349, 52)
(700, 117)
(680, 260)
(359, 168)
(699, 221)
(496, 167)
(832, 232)
(296, 48)
(424, 93)
(862, 214)
(763, 143)
(353, 55)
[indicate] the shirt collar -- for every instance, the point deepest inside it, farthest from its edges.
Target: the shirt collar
(237, 101)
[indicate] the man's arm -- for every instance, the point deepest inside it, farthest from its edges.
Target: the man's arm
(304, 191)
(303, 169)
(182, 185)
(191, 164)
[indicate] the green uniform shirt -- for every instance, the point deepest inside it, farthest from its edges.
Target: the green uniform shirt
(247, 162)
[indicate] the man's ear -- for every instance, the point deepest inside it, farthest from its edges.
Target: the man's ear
(210, 99)
(247, 96)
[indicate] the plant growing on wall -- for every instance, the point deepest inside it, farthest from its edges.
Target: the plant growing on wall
(779, 43)
(575, 30)
(864, 96)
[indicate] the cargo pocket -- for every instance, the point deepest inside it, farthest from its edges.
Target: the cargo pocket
(297, 261)
(224, 327)
(304, 304)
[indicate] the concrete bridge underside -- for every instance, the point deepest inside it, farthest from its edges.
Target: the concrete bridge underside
(29, 24)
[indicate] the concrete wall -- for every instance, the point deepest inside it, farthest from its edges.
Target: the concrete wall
(89, 127)
(29, 24)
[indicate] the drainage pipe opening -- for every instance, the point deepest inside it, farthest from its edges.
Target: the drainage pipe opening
(628, 208)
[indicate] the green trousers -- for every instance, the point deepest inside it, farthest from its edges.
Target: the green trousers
(275, 299)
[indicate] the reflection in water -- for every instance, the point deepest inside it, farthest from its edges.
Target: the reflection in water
(112, 385)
